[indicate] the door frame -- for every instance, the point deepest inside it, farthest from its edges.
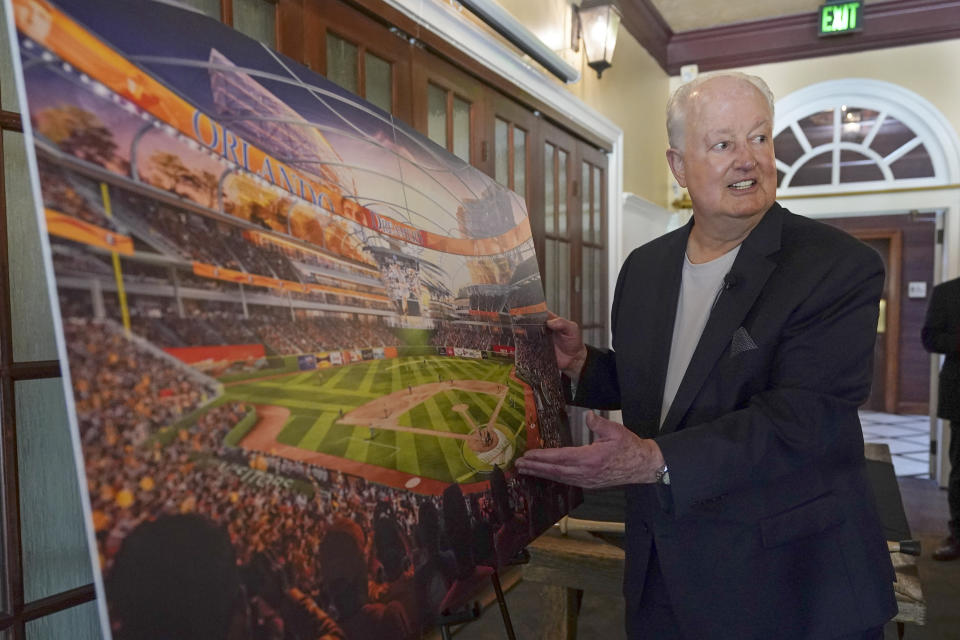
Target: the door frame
(891, 382)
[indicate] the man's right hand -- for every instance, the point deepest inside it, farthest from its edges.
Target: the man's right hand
(568, 345)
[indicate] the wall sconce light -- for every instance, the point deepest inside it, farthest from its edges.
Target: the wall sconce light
(597, 26)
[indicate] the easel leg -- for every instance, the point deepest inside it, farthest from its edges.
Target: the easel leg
(502, 601)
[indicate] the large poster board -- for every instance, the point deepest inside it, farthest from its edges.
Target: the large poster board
(305, 344)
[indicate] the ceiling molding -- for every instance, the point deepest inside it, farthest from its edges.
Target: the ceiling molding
(887, 24)
(648, 27)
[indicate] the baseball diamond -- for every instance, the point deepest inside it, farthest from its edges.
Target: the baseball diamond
(435, 418)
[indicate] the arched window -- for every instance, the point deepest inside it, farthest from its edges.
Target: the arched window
(860, 134)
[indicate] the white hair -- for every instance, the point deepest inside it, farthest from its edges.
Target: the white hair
(677, 104)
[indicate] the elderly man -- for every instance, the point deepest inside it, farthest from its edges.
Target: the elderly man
(743, 346)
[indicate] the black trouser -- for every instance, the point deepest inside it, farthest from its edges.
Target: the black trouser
(953, 484)
(654, 618)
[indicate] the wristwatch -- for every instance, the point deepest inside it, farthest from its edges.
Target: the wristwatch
(662, 475)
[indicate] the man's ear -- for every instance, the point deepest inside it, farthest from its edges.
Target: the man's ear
(675, 160)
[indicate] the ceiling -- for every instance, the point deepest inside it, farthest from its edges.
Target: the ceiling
(688, 15)
(734, 33)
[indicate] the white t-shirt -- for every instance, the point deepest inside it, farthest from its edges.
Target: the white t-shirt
(700, 286)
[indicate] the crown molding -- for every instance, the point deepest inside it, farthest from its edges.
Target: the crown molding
(887, 24)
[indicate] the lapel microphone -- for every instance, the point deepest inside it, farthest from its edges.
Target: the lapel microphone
(730, 281)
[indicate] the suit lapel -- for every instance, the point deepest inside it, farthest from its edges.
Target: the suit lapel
(751, 270)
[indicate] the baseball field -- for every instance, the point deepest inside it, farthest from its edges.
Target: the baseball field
(403, 421)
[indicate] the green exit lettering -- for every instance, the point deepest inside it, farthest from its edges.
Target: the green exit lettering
(839, 18)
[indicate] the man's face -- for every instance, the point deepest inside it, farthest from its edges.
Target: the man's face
(726, 161)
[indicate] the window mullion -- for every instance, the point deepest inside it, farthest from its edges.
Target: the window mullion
(835, 152)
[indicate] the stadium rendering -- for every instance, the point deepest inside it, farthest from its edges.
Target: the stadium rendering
(287, 314)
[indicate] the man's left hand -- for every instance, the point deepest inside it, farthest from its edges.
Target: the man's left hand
(616, 457)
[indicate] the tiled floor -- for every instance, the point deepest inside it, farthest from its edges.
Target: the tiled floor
(907, 436)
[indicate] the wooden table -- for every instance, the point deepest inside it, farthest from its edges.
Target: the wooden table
(569, 559)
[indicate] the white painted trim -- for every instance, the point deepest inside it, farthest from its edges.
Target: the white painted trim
(444, 21)
(441, 19)
(502, 21)
(912, 109)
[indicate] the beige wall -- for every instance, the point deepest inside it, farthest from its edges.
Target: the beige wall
(927, 69)
(632, 93)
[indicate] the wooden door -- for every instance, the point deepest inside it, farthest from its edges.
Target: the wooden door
(357, 53)
(884, 391)
(448, 107)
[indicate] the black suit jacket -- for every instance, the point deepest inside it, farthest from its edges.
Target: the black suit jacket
(768, 529)
(941, 334)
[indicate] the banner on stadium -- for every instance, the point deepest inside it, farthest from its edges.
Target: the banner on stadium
(257, 203)
(504, 350)
(229, 353)
(71, 228)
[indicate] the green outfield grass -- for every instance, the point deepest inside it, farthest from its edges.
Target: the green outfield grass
(316, 398)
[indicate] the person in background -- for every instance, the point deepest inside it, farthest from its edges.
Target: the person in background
(941, 334)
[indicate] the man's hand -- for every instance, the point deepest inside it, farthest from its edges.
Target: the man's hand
(567, 344)
(617, 456)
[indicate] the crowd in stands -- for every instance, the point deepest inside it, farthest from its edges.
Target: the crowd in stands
(121, 390)
(537, 366)
(471, 335)
(213, 324)
(69, 260)
(526, 294)
(320, 554)
(486, 301)
(70, 194)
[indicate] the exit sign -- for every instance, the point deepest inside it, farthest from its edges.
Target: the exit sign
(841, 17)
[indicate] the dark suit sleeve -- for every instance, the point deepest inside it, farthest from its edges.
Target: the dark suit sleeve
(937, 334)
(807, 415)
(598, 387)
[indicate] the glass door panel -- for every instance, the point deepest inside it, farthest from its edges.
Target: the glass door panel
(359, 54)
(437, 114)
(448, 105)
(378, 81)
(257, 19)
(342, 62)
(549, 187)
(501, 152)
(461, 128)
(518, 162)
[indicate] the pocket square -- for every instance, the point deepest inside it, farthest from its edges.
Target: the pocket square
(741, 342)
